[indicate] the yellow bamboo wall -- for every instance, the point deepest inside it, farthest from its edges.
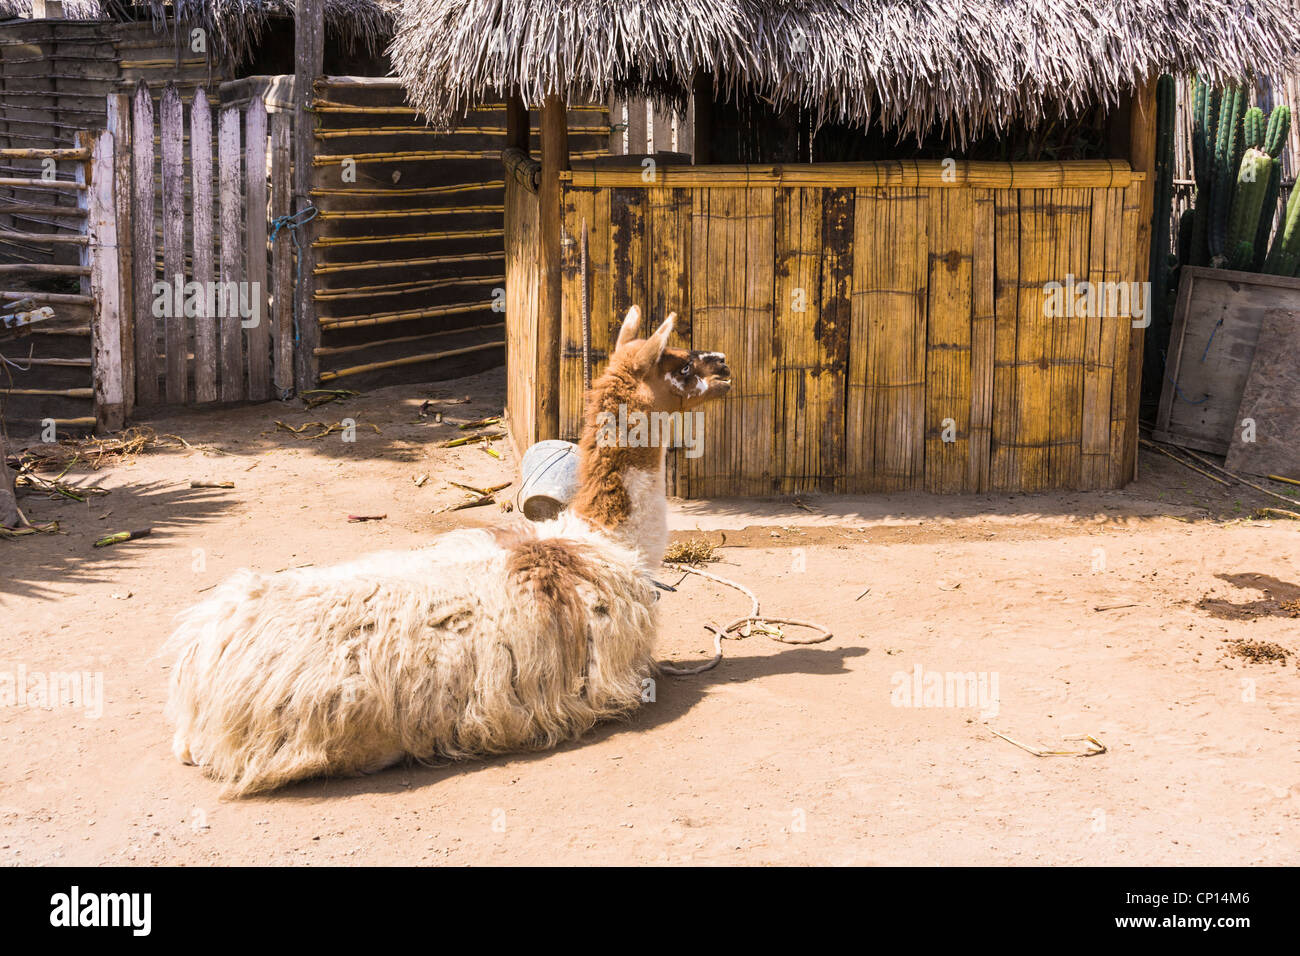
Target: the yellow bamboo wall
(863, 305)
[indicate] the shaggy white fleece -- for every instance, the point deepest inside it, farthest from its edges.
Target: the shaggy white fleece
(482, 643)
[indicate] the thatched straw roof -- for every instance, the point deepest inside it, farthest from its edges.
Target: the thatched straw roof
(965, 65)
(72, 9)
(237, 25)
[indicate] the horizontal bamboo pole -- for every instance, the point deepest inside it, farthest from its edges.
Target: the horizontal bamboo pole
(45, 268)
(409, 360)
(341, 349)
(406, 156)
(45, 237)
(159, 64)
(333, 241)
(408, 285)
(386, 318)
(38, 210)
(60, 362)
(1081, 174)
(87, 422)
(70, 154)
(412, 191)
(25, 183)
(390, 263)
(57, 297)
(406, 213)
(432, 131)
(54, 392)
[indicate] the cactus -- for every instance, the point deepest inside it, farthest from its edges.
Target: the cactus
(1227, 148)
(1279, 125)
(1205, 118)
(1253, 126)
(1247, 202)
(1268, 212)
(1284, 257)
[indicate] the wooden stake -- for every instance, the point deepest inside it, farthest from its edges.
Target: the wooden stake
(100, 258)
(555, 160)
(309, 57)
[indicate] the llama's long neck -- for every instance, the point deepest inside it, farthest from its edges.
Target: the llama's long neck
(621, 483)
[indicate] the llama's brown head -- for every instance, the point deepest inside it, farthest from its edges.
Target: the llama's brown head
(671, 379)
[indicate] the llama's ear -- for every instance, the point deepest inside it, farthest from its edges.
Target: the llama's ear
(659, 340)
(631, 326)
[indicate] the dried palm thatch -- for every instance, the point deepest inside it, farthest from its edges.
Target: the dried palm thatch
(236, 26)
(72, 9)
(963, 66)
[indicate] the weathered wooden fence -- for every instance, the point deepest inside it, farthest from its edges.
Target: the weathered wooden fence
(887, 327)
(206, 327)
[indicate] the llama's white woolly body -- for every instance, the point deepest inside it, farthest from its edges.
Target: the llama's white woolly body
(465, 647)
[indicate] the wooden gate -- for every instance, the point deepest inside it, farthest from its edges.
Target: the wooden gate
(208, 325)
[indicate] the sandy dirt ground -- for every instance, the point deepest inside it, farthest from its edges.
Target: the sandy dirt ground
(1110, 614)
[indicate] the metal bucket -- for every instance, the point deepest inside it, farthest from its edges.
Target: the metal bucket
(549, 475)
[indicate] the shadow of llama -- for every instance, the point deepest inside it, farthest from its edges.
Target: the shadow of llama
(487, 641)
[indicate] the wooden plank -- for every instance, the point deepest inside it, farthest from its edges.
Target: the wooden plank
(142, 251)
(309, 58)
(1266, 434)
(118, 122)
(282, 279)
(1098, 350)
(797, 358)
(951, 238)
(521, 261)
(205, 325)
(637, 141)
(172, 135)
(1142, 157)
(257, 328)
(232, 272)
(105, 282)
(627, 258)
(668, 263)
(578, 209)
(717, 262)
(886, 387)
(1073, 215)
(983, 339)
(1120, 405)
(1076, 174)
(555, 159)
(1212, 344)
(1033, 409)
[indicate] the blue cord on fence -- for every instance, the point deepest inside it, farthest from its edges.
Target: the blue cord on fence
(293, 223)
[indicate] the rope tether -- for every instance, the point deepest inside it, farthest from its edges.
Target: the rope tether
(752, 623)
(293, 223)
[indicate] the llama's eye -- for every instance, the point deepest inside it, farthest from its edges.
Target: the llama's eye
(685, 372)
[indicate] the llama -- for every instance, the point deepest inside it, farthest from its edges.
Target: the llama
(487, 641)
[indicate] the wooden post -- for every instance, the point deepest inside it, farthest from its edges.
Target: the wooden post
(146, 331)
(636, 127)
(257, 338)
(171, 124)
(205, 325)
(1142, 157)
(517, 129)
(555, 159)
(100, 255)
(701, 109)
(119, 124)
(282, 252)
(232, 254)
(309, 58)
(8, 497)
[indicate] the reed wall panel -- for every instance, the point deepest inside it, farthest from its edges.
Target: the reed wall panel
(888, 332)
